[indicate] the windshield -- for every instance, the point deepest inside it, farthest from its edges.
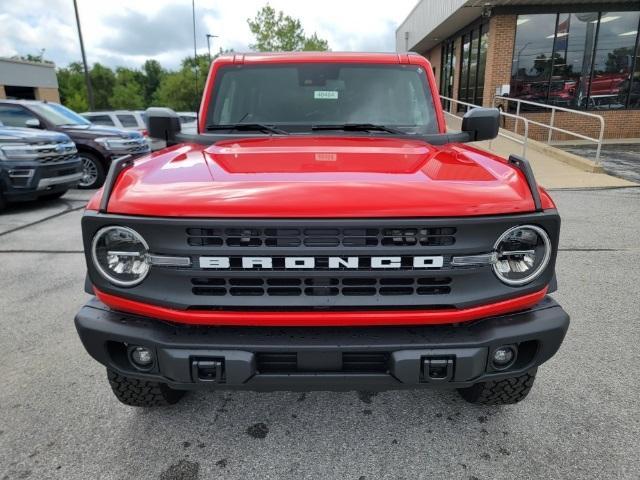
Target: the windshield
(58, 115)
(306, 95)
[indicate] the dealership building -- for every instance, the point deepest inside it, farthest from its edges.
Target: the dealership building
(20, 79)
(578, 55)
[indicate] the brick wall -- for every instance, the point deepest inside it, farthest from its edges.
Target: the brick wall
(502, 35)
(2, 92)
(48, 94)
(435, 58)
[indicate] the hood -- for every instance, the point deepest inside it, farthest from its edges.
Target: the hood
(95, 131)
(30, 135)
(321, 176)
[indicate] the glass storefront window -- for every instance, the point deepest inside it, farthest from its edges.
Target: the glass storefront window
(482, 61)
(472, 66)
(532, 57)
(573, 57)
(613, 61)
(464, 71)
(578, 60)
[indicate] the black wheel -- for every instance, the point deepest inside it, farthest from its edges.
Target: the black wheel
(53, 196)
(500, 392)
(93, 171)
(3, 202)
(141, 393)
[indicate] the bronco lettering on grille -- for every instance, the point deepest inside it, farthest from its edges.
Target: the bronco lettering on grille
(309, 263)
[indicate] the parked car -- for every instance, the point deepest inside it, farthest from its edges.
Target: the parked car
(97, 145)
(126, 120)
(188, 122)
(36, 164)
(336, 237)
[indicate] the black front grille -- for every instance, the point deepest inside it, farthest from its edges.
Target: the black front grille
(320, 287)
(321, 237)
(53, 159)
(352, 362)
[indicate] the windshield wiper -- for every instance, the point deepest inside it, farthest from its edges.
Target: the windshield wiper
(359, 127)
(248, 126)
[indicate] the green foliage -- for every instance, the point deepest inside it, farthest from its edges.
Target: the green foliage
(277, 32)
(153, 75)
(128, 90)
(177, 90)
(102, 80)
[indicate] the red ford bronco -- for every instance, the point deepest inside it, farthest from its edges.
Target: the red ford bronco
(321, 231)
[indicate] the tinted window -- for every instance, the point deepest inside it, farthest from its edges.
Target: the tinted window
(333, 93)
(532, 55)
(101, 120)
(573, 56)
(614, 59)
(15, 116)
(127, 120)
(593, 64)
(57, 114)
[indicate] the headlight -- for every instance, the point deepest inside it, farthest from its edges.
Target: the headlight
(121, 255)
(522, 254)
(17, 151)
(117, 144)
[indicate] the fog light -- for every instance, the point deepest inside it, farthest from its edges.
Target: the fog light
(141, 357)
(503, 357)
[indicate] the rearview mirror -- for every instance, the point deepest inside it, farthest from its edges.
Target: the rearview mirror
(163, 123)
(481, 124)
(32, 123)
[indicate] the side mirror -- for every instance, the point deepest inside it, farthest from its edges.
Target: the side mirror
(163, 123)
(32, 123)
(481, 124)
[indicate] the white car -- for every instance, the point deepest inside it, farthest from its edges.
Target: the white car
(188, 122)
(125, 119)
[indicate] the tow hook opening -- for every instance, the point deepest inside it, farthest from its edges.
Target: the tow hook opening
(437, 369)
(208, 370)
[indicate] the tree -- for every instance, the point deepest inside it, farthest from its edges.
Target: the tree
(73, 91)
(128, 90)
(177, 90)
(103, 80)
(275, 31)
(153, 75)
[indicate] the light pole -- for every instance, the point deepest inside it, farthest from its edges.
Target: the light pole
(84, 59)
(209, 37)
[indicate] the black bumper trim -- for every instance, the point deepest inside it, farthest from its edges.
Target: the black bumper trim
(177, 347)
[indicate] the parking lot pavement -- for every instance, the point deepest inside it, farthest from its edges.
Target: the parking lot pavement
(59, 420)
(621, 160)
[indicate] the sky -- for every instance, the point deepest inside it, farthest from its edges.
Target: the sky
(126, 33)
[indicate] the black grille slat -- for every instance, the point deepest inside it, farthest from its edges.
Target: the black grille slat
(320, 287)
(275, 237)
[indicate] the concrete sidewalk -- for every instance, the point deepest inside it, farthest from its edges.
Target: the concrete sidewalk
(550, 164)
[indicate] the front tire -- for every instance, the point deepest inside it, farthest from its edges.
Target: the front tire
(142, 393)
(500, 392)
(93, 171)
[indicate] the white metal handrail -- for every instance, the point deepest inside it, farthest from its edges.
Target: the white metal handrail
(552, 128)
(520, 140)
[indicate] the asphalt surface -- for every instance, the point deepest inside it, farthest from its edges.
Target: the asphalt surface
(620, 160)
(59, 420)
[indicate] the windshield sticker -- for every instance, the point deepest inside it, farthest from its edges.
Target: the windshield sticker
(325, 95)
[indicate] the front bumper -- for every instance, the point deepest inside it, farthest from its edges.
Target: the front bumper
(21, 181)
(315, 358)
